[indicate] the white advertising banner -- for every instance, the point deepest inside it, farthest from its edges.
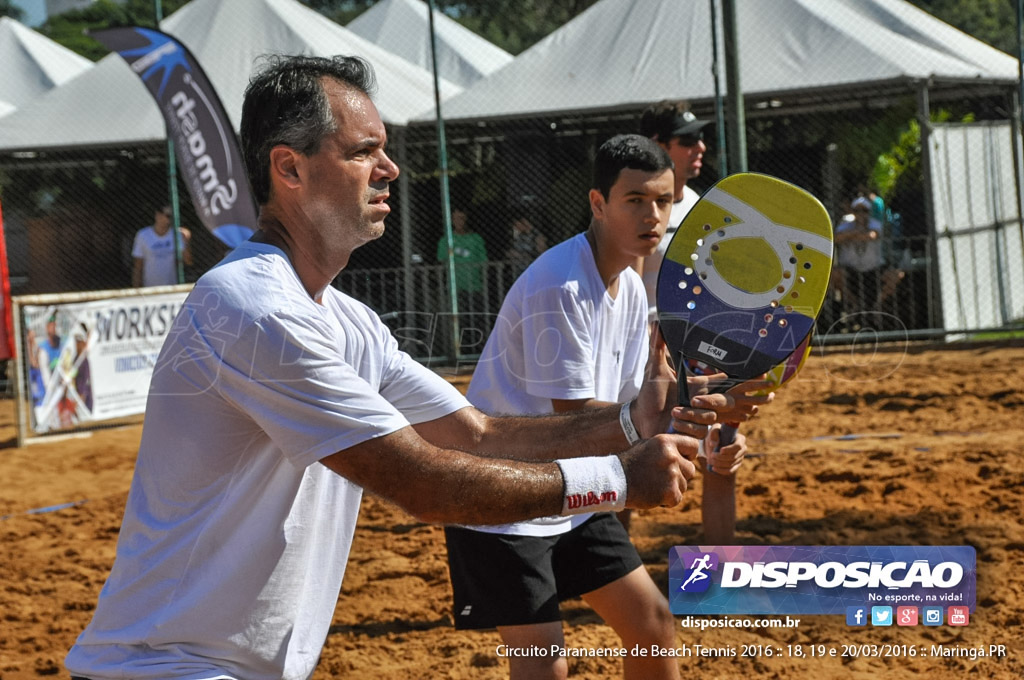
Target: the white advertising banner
(92, 361)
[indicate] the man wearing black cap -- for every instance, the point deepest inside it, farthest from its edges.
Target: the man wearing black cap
(673, 126)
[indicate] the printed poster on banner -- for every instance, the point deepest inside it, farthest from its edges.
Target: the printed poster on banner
(818, 579)
(92, 361)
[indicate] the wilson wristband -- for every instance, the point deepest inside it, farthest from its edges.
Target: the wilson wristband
(628, 428)
(593, 484)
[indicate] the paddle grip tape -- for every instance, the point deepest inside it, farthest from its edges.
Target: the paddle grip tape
(593, 484)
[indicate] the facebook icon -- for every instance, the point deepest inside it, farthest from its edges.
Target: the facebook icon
(856, 616)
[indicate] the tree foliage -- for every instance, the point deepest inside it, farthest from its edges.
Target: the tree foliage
(69, 28)
(513, 25)
(992, 21)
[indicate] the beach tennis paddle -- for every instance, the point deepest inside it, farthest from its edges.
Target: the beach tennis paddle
(743, 280)
(777, 377)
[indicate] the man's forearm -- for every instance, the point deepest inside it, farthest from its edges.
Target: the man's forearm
(449, 486)
(587, 432)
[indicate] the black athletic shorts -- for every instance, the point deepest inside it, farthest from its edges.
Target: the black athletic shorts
(501, 580)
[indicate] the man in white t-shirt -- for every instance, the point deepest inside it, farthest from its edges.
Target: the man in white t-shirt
(677, 130)
(572, 334)
(154, 262)
(276, 400)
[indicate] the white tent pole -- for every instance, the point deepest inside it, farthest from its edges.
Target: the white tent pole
(1018, 123)
(1020, 62)
(925, 124)
(723, 158)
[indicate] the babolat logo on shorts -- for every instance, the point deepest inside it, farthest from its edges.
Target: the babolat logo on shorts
(817, 579)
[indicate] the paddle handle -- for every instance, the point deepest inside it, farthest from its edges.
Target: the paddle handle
(727, 435)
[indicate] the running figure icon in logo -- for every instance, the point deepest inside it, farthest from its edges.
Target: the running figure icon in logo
(698, 576)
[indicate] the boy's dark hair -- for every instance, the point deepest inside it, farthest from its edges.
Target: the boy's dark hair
(285, 104)
(635, 152)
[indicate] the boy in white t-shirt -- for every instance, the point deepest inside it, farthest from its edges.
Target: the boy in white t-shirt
(572, 334)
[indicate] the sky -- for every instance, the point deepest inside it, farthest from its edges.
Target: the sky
(35, 11)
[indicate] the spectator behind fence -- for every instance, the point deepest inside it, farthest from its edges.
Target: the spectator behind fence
(527, 244)
(859, 257)
(154, 263)
(893, 261)
(469, 253)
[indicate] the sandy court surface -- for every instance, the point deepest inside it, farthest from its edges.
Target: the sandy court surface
(935, 461)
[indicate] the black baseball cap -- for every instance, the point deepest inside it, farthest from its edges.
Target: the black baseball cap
(686, 123)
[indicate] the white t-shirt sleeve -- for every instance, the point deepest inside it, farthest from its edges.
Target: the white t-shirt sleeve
(420, 394)
(288, 374)
(558, 350)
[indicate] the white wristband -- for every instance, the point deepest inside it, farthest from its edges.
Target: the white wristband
(628, 428)
(593, 484)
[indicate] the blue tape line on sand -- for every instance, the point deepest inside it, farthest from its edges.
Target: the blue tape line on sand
(49, 508)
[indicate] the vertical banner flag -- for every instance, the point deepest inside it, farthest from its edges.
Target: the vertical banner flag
(6, 323)
(204, 141)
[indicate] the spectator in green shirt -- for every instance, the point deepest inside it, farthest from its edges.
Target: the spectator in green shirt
(469, 254)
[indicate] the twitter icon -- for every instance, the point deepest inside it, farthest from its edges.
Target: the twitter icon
(881, 616)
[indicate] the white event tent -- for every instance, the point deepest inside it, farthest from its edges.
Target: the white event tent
(109, 106)
(32, 65)
(403, 28)
(623, 55)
